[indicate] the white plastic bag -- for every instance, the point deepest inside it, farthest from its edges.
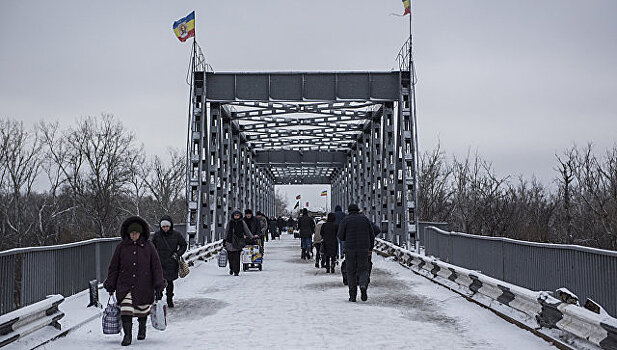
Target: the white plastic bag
(158, 315)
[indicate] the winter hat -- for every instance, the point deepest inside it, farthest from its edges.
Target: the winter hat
(259, 213)
(353, 208)
(248, 211)
(135, 227)
(165, 223)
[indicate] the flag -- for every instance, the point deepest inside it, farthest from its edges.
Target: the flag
(406, 4)
(184, 28)
(298, 197)
(324, 193)
(297, 205)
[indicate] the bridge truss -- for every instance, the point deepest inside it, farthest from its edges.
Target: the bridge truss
(252, 131)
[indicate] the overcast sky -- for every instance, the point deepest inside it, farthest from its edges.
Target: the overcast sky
(518, 81)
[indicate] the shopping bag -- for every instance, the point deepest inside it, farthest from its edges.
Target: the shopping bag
(183, 268)
(112, 324)
(223, 258)
(158, 315)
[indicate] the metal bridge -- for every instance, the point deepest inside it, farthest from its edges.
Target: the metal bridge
(251, 131)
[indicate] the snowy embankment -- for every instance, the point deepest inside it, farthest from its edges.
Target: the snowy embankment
(293, 305)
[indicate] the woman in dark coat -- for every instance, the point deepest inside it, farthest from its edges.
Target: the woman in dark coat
(135, 275)
(235, 238)
(170, 245)
(330, 242)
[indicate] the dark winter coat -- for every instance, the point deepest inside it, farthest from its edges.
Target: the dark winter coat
(306, 226)
(234, 236)
(338, 214)
(135, 267)
(175, 244)
(273, 228)
(280, 222)
(356, 230)
(254, 225)
(328, 233)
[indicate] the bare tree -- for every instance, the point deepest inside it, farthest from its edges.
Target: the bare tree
(166, 183)
(19, 166)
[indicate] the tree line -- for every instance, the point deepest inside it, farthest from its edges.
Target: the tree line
(60, 185)
(580, 208)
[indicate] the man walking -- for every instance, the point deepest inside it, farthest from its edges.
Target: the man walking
(306, 226)
(356, 230)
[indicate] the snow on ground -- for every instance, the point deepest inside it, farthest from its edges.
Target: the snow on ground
(293, 305)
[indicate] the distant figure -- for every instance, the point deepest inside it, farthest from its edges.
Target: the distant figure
(236, 234)
(356, 230)
(273, 227)
(330, 243)
(135, 275)
(317, 242)
(280, 223)
(170, 245)
(339, 215)
(306, 226)
(263, 227)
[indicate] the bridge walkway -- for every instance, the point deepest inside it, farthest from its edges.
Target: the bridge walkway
(293, 305)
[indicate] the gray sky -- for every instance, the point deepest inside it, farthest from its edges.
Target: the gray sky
(517, 81)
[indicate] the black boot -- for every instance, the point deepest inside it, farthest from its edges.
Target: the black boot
(170, 301)
(141, 334)
(127, 327)
(303, 253)
(363, 294)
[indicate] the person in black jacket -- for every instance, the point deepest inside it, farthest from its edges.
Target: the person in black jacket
(356, 230)
(306, 226)
(330, 242)
(237, 234)
(273, 228)
(254, 226)
(280, 223)
(170, 245)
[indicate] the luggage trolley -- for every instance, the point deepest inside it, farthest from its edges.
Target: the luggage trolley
(252, 256)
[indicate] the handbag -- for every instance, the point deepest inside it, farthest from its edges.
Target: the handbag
(111, 321)
(158, 315)
(183, 267)
(223, 258)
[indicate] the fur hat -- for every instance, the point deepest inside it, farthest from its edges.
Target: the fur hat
(135, 227)
(248, 211)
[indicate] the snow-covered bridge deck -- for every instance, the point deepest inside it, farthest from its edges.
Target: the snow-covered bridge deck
(293, 305)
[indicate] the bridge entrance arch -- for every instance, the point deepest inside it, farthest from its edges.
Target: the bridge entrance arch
(251, 131)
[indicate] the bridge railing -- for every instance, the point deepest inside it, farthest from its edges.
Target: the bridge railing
(28, 275)
(587, 272)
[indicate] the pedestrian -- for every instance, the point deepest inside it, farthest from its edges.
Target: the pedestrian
(236, 235)
(254, 226)
(339, 215)
(317, 242)
(292, 226)
(356, 230)
(306, 226)
(330, 242)
(263, 227)
(135, 275)
(273, 227)
(280, 223)
(170, 246)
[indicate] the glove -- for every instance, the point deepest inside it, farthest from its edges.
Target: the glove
(158, 295)
(175, 256)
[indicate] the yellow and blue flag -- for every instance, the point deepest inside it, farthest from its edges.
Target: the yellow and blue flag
(406, 4)
(324, 193)
(184, 28)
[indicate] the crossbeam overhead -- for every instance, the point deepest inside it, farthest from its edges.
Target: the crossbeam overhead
(251, 131)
